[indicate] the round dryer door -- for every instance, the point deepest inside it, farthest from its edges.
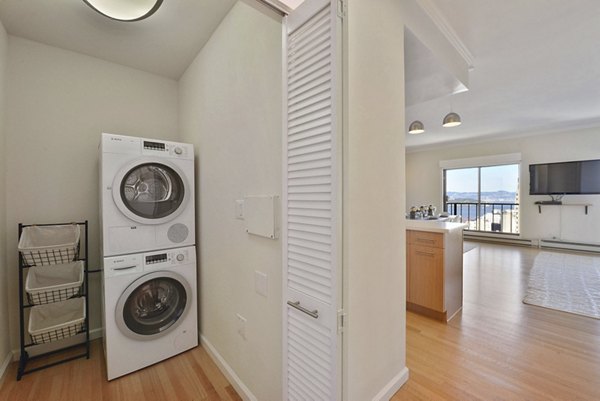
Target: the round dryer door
(153, 305)
(150, 192)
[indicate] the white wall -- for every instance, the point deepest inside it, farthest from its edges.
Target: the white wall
(424, 186)
(374, 226)
(57, 105)
(230, 108)
(4, 327)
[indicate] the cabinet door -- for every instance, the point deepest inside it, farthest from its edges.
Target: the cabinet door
(426, 277)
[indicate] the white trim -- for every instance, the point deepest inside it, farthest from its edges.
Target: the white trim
(284, 197)
(229, 373)
(277, 5)
(388, 391)
(7, 360)
(94, 334)
(301, 14)
(493, 160)
(446, 29)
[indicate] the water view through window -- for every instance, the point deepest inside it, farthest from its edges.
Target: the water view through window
(486, 198)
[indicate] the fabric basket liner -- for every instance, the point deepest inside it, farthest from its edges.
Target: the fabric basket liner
(56, 316)
(47, 237)
(44, 285)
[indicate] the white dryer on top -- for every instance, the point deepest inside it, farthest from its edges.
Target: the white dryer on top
(146, 194)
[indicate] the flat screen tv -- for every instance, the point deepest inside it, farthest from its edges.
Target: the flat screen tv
(567, 178)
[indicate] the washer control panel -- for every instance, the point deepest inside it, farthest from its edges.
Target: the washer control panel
(149, 261)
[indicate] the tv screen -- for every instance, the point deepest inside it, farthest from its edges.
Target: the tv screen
(568, 178)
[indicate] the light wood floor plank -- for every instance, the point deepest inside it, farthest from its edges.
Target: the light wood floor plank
(191, 376)
(498, 348)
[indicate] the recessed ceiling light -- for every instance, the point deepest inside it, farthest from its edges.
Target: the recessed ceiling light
(125, 10)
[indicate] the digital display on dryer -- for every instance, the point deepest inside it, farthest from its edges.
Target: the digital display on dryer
(156, 258)
(154, 145)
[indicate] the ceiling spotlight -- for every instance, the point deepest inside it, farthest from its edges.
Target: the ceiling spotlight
(125, 10)
(416, 127)
(451, 120)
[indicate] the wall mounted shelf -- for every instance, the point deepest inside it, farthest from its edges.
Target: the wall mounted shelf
(584, 205)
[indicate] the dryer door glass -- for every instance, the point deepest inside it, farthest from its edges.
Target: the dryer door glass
(152, 190)
(154, 306)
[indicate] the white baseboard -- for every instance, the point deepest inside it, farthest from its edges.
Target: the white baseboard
(229, 373)
(94, 334)
(5, 364)
(388, 391)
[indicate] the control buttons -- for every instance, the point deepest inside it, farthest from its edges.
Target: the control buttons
(180, 257)
(178, 150)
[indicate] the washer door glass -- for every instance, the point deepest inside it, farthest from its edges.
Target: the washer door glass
(152, 190)
(154, 306)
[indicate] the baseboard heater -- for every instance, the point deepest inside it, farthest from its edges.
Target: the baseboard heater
(498, 240)
(567, 245)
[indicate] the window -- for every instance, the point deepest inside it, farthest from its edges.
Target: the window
(486, 198)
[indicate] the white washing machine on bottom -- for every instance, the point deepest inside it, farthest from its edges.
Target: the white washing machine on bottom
(149, 308)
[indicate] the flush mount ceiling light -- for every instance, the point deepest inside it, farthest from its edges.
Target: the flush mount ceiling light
(125, 10)
(451, 120)
(416, 127)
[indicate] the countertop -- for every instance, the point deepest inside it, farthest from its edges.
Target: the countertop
(434, 225)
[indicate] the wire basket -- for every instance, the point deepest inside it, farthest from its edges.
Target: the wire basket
(49, 245)
(57, 321)
(48, 285)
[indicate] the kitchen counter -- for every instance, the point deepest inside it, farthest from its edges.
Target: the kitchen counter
(437, 226)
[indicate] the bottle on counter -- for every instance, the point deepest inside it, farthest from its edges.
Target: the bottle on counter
(413, 213)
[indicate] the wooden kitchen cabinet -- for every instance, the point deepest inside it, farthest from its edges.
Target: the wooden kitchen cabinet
(434, 273)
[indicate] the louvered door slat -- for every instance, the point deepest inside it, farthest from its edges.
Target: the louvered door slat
(311, 204)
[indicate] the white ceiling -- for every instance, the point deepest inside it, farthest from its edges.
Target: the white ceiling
(537, 62)
(537, 69)
(164, 44)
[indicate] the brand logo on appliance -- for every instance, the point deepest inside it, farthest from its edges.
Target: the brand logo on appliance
(115, 139)
(133, 228)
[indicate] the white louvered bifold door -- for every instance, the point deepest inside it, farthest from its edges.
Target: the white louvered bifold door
(311, 203)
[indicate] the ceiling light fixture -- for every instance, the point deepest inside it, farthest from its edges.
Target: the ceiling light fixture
(125, 10)
(451, 120)
(416, 127)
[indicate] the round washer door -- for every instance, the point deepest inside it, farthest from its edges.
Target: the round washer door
(153, 305)
(150, 191)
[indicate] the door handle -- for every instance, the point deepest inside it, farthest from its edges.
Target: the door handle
(311, 313)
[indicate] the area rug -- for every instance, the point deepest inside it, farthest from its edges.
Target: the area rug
(565, 282)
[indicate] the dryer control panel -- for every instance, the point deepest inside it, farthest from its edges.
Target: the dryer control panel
(146, 147)
(167, 258)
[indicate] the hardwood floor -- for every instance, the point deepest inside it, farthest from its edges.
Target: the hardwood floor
(191, 376)
(498, 348)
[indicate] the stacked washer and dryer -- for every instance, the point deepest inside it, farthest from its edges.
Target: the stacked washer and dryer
(149, 258)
